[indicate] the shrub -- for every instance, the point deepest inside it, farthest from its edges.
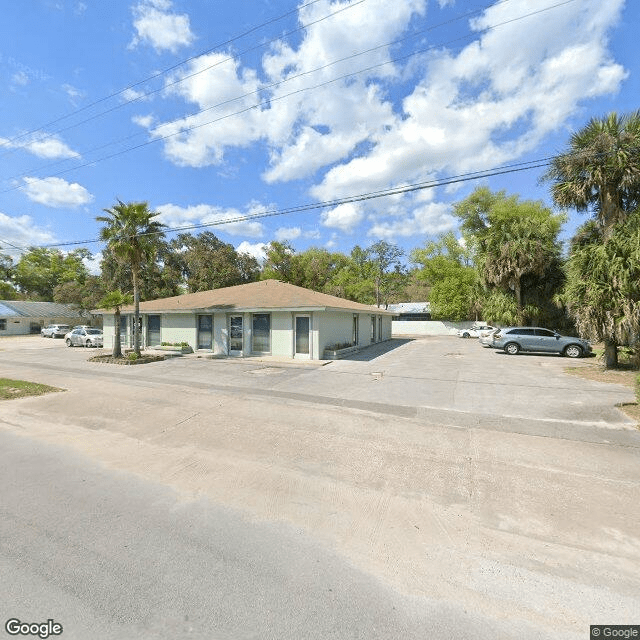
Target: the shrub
(132, 356)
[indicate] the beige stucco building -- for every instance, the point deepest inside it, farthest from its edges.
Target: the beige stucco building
(261, 318)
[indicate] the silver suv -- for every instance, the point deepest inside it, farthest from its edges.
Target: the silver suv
(55, 331)
(516, 339)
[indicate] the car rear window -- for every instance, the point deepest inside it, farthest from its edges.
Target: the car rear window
(93, 332)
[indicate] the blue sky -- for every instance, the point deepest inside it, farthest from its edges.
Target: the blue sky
(215, 111)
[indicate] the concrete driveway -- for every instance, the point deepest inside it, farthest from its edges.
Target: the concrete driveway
(460, 478)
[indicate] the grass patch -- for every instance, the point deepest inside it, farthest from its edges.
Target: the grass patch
(10, 389)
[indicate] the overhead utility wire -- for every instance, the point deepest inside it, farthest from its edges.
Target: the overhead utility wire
(372, 195)
(184, 78)
(158, 74)
(231, 58)
(278, 98)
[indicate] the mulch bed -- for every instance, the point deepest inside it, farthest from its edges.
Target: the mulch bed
(109, 359)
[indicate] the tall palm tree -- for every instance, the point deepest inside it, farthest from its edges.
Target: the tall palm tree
(600, 170)
(116, 300)
(132, 233)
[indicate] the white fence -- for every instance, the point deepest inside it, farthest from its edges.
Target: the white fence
(401, 328)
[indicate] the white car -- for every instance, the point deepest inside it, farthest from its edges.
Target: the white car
(84, 338)
(477, 331)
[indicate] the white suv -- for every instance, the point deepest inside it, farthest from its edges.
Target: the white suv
(55, 331)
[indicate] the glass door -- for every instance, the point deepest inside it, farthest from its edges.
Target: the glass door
(235, 335)
(302, 336)
(153, 331)
(205, 332)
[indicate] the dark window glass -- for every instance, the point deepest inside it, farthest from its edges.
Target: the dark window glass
(3, 324)
(261, 333)
(153, 330)
(545, 332)
(205, 332)
(521, 332)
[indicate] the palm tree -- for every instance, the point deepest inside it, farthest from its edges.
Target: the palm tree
(116, 300)
(132, 233)
(600, 170)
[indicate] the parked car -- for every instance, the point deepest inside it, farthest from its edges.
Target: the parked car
(515, 339)
(486, 339)
(476, 331)
(84, 338)
(55, 331)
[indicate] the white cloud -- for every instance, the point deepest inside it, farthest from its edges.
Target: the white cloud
(256, 250)
(429, 219)
(20, 78)
(344, 217)
(493, 101)
(93, 264)
(21, 231)
(164, 31)
(56, 192)
(73, 92)
(176, 216)
(49, 147)
(287, 233)
(143, 121)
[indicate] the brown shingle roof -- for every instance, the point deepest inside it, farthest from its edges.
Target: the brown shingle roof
(266, 294)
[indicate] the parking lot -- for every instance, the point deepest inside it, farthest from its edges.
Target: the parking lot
(450, 473)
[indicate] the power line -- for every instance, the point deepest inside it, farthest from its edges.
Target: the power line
(173, 83)
(372, 195)
(159, 73)
(230, 100)
(273, 99)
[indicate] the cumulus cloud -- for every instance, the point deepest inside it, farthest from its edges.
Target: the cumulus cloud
(287, 233)
(93, 263)
(230, 221)
(49, 147)
(55, 192)
(257, 250)
(156, 25)
(23, 232)
(430, 219)
(450, 111)
(344, 217)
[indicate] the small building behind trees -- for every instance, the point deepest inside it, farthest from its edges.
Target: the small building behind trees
(19, 317)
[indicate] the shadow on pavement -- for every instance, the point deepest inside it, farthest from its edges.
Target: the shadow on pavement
(376, 350)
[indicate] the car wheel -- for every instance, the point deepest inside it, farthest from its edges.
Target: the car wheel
(465, 335)
(88, 343)
(69, 343)
(573, 351)
(512, 348)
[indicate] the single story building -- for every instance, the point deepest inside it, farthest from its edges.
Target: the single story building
(261, 318)
(19, 317)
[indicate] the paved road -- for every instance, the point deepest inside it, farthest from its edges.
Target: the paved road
(399, 494)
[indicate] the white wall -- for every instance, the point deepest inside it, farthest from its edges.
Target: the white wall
(428, 327)
(178, 327)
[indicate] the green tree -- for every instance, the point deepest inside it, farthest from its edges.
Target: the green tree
(40, 270)
(131, 232)
(600, 171)
(204, 262)
(603, 285)
(445, 267)
(116, 300)
(355, 280)
(512, 240)
(388, 269)
(278, 263)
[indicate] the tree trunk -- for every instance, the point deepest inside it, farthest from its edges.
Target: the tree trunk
(518, 291)
(136, 324)
(117, 345)
(610, 354)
